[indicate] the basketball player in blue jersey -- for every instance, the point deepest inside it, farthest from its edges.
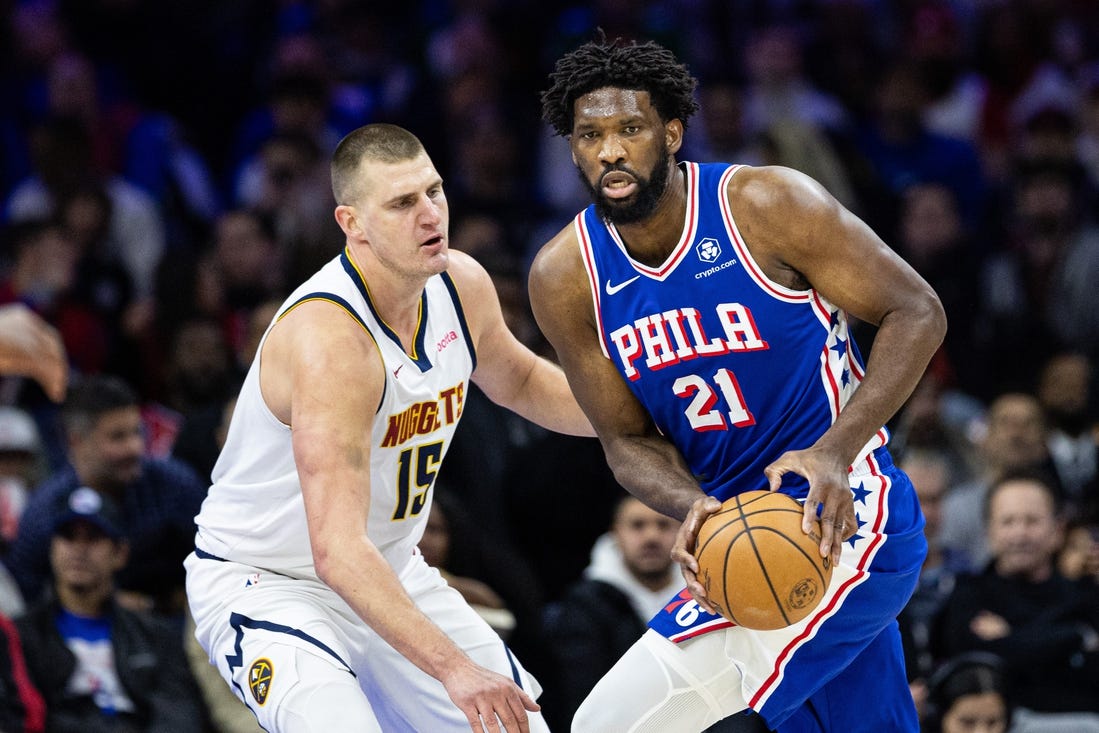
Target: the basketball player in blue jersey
(306, 586)
(700, 312)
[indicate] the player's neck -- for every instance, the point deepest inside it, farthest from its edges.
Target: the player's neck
(394, 295)
(652, 239)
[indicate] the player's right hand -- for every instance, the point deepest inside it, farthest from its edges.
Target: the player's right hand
(31, 347)
(489, 699)
(683, 549)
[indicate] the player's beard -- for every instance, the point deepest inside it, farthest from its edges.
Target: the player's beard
(639, 206)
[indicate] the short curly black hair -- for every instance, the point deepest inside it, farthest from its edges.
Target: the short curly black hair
(647, 67)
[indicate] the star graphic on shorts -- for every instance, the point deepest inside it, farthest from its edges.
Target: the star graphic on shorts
(845, 377)
(856, 537)
(834, 319)
(840, 347)
(861, 493)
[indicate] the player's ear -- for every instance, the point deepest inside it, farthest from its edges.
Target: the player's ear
(673, 135)
(348, 219)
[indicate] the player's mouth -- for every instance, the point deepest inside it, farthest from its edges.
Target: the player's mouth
(433, 241)
(618, 185)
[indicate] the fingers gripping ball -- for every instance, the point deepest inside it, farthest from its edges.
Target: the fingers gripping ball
(759, 569)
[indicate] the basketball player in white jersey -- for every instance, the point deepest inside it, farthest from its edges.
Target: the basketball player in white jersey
(306, 586)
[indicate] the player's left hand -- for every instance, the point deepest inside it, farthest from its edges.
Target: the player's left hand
(683, 549)
(830, 499)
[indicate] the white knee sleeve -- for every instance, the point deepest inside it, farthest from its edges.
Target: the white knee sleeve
(661, 687)
(324, 699)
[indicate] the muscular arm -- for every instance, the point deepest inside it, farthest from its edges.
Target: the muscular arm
(802, 237)
(509, 373)
(643, 461)
(324, 376)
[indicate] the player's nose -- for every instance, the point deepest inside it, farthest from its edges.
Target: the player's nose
(612, 151)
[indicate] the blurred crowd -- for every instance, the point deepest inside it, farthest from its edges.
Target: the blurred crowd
(164, 184)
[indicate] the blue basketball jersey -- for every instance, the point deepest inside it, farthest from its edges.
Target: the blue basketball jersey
(734, 368)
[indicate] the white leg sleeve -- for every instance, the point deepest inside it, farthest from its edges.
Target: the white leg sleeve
(324, 699)
(661, 687)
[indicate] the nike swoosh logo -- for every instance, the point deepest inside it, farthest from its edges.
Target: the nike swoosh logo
(612, 289)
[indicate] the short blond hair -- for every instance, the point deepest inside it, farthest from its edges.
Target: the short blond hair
(381, 142)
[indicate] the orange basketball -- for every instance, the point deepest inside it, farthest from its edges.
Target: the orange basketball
(759, 569)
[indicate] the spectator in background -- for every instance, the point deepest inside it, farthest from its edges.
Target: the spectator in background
(1020, 608)
(202, 432)
(935, 38)
(803, 147)
(163, 161)
(21, 465)
(1087, 138)
(63, 161)
(22, 709)
(720, 132)
(1079, 556)
(930, 472)
(902, 151)
(966, 695)
(287, 183)
(99, 665)
(21, 462)
(74, 89)
(202, 367)
(41, 273)
(1036, 292)
(28, 346)
(159, 498)
(198, 374)
(1014, 438)
(778, 88)
(247, 267)
(933, 238)
(240, 270)
(631, 576)
(943, 419)
(1066, 394)
(109, 323)
(297, 102)
(541, 500)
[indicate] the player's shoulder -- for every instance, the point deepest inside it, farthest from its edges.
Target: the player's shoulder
(559, 257)
(467, 274)
(776, 194)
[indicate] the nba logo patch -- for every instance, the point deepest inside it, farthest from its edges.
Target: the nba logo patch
(259, 679)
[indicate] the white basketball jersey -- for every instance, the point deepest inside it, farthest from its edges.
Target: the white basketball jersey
(254, 513)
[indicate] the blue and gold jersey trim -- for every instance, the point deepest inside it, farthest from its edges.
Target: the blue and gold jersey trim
(419, 354)
(343, 304)
(453, 290)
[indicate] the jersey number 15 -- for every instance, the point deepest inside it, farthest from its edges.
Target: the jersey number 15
(413, 485)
